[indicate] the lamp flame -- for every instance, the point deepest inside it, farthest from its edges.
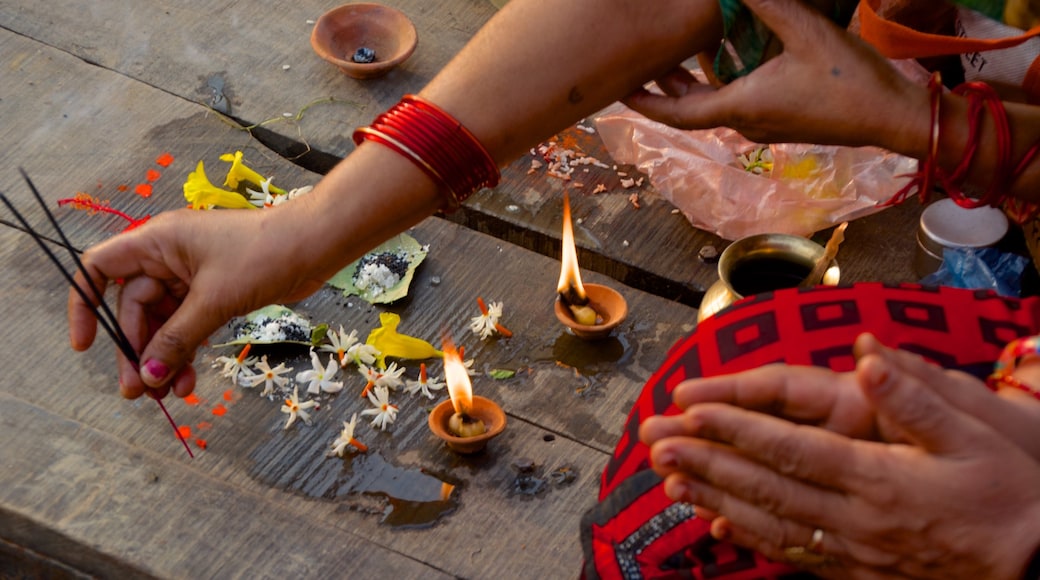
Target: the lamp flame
(569, 287)
(459, 388)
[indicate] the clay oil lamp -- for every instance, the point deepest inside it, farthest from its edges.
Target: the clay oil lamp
(591, 311)
(465, 422)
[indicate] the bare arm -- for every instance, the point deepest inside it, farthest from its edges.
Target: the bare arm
(536, 67)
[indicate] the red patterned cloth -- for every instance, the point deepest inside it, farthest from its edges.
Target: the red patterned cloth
(635, 531)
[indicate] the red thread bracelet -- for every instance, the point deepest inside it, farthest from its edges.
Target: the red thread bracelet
(1008, 360)
(925, 174)
(436, 143)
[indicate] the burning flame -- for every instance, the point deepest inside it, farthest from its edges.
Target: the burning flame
(570, 277)
(459, 388)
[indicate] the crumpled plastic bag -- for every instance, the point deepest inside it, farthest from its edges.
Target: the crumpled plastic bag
(810, 187)
(980, 268)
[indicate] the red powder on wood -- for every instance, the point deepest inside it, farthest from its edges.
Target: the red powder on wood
(229, 395)
(185, 431)
(152, 175)
(192, 399)
(220, 410)
(201, 443)
(143, 189)
(203, 425)
(164, 160)
(123, 187)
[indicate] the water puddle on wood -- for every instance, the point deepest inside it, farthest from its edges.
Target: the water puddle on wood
(368, 483)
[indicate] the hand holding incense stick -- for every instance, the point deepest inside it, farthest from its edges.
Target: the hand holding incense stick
(104, 316)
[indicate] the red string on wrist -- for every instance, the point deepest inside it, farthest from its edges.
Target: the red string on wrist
(437, 144)
(927, 167)
(982, 98)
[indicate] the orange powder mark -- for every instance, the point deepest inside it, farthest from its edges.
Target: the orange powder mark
(164, 160)
(204, 425)
(192, 399)
(143, 189)
(123, 187)
(201, 443)
(229, 394)
(220, 410)
(152, 175)
(185, 431)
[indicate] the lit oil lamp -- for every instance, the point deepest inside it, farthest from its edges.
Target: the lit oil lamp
(465, 422)
(590, 310)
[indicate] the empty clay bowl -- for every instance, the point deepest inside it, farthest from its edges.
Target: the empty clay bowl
(607, 302)
(484, 409)
(340, 32)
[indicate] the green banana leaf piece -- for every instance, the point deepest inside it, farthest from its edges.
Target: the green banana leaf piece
(276, 324)
(395, 260)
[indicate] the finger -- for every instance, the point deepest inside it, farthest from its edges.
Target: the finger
(701, 107)
(744, 477)
(793, 22)
(746, 523)
(802, 394)
(914, 407)
(677, 82)
(137, 297)
(82, 321)
(173, 345)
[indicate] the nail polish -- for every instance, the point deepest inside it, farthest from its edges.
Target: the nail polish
(156, 370)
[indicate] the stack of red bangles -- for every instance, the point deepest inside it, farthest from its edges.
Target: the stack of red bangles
(1012, 354)
(981, 97)
(437, 144)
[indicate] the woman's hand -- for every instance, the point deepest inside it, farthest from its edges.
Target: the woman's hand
(184, 274)
(826, 87)
(958, 499)
(836, 402)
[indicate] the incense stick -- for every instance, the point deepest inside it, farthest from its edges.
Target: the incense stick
(106, 319)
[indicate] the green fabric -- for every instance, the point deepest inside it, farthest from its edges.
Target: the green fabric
(746, 40)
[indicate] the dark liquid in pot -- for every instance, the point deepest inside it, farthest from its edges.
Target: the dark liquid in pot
(765, 274)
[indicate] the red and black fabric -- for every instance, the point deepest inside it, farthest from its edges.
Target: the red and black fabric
(635, 531)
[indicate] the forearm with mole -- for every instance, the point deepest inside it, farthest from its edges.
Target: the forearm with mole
(541, 65)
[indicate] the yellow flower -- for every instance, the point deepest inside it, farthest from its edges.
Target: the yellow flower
(201, 194)
(391, 343)
(239, 172)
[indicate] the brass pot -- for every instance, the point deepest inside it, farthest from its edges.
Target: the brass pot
(763, 263)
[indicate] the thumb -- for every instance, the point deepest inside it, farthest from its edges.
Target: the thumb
(912, 405)
(173, 345)
(793, 21)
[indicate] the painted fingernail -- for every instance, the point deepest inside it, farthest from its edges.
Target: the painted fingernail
(666, 460)
(156, 370)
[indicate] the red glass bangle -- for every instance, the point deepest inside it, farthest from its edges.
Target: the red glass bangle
(980, 94)
(438, 144)
(1009, 358)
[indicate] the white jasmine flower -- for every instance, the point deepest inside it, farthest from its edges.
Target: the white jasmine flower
(346, 437)
(319, 377)
(294, 407)
(384, 413)
(387, 379)
(425, 384)
(236, 366)
(267, 375)
(487, 323)
(363, 354)
(341, 343)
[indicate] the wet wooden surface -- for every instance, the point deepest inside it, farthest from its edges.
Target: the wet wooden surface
(93, 93)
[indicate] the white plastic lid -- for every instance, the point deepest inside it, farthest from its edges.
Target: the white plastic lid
(950, 225)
